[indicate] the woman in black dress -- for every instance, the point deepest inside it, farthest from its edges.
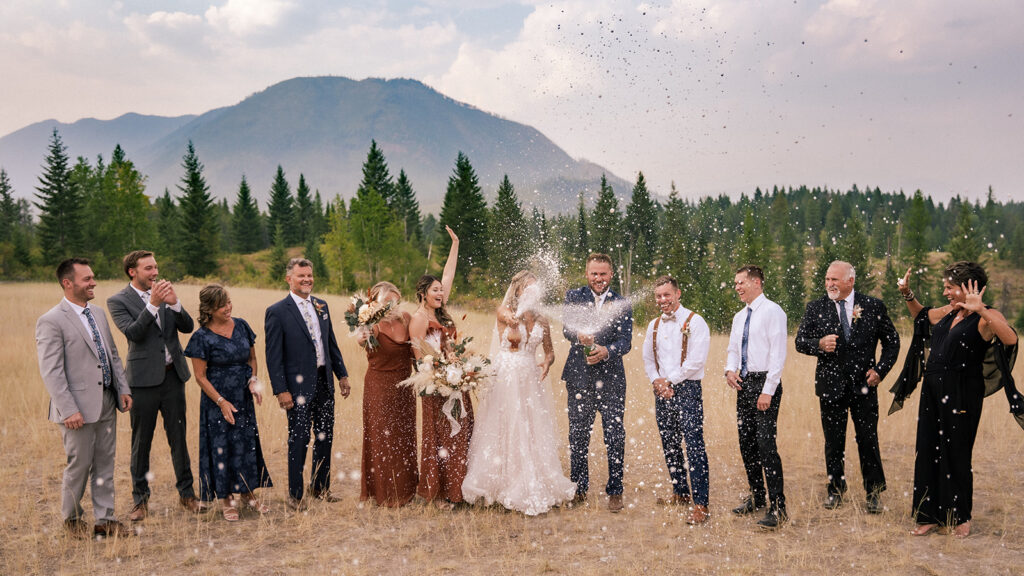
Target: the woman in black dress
(224, 364)
(952, 396)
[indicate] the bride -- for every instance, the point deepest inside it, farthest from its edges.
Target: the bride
(513, 459)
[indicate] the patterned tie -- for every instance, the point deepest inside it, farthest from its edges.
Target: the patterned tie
(312, 332)
(843, 320)
(100, 350)
(743, 348)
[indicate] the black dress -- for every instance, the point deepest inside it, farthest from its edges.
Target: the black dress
(230, 456)
(947, 423)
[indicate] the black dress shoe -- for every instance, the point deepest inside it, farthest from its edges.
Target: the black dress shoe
(325, 496)
(833, 501)
(748, 506)
(774, 518)
(874, 503)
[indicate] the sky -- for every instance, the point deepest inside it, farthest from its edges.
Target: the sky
(711, 96)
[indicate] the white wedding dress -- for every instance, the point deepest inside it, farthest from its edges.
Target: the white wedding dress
(513, 455)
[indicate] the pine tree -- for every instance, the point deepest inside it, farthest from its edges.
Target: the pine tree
(465, 210)
(510, 244)
(339, 251)
(304, 218)
(125, 187)
(408, 208)
(965, 242)
(890, 293)
(793, 293)
(246, 223)
(198, 219)
(168, 226)
(605, 222)
(377, 176)
(320, 216)
(581, 247)
(916, 242)
(281, 210)
(374, 231)
(856, 251)
(641, 233)
(60, 206)
(8, 208)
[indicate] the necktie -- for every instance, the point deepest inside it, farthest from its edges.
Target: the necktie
(312, 331)
(743, 348)
(843, 320)
(597, 301)
(100, 350)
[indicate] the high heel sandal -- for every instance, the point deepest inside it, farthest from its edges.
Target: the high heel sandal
(962, 530)
(253, 503)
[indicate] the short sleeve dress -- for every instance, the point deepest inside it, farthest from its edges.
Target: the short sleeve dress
(230, 456)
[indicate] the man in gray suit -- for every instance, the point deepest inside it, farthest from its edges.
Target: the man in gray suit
(150, 315)
(82, 372)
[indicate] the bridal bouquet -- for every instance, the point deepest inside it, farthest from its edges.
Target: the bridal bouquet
(448, 373)
(363, 314)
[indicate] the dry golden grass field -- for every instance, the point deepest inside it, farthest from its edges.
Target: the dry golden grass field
(353, 538)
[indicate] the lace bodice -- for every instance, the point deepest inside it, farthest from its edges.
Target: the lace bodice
(527, 345)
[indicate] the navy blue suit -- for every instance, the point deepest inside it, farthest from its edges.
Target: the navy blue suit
(598, 388)
(291, 365)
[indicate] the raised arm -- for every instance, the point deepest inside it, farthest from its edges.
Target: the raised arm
(448, 276)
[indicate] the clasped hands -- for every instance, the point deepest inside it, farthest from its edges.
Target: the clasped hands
(162, 292)
(829, 343)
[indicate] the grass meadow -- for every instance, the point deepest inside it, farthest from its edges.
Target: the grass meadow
(355, 538)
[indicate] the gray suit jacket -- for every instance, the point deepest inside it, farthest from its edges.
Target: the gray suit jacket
(69, 363)
(146, 340)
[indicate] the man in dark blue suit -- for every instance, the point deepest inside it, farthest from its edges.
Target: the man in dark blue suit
(598, 323)
(302, 361)
(843, 329)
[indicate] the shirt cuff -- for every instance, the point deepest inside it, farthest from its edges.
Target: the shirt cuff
(176, 306)
(152, 309)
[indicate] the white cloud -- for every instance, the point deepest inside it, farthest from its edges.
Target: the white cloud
(241, 17)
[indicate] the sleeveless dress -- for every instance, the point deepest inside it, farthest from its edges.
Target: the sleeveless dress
(443, 456)
(389, 425)
(947, 422)
(230, 456)
(513, 458)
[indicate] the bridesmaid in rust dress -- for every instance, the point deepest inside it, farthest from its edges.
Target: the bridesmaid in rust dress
(389, 411)
(442, 456)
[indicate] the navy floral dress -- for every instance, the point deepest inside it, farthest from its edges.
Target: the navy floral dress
(230, 456)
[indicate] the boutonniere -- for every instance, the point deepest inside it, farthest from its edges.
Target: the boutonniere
(684, 330)
(858, 311)
(320, 305)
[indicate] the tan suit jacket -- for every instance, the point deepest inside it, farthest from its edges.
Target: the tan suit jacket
(69, 363)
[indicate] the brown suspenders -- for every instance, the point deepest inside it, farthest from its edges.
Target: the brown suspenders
(686, 339)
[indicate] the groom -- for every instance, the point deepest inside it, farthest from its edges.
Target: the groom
(596, 382)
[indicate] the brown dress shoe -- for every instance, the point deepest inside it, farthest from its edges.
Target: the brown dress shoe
(698, 515)
(76, 528)
(139, 512)
(191, 504)
(675, 500)
(295, 504)
(615, 503)
(111, 529)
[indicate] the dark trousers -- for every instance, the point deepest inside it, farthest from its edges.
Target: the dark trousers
(681, 419)
(864, 410)
(316, 413)
(758, 430)
(584, 404)
(168, 400)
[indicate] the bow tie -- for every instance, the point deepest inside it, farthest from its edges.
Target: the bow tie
(669, 317)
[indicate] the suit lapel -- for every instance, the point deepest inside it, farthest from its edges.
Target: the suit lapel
(320, 321)
(297, 314)
(832, 318)
(73, 319)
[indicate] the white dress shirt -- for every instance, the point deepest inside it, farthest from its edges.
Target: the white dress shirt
(599, 298)
(306, 306)
(155, 311)
(766, 347)
(670, 342)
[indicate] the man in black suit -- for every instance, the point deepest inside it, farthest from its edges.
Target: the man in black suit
(843, 329)
(302, 360)
(150, 315)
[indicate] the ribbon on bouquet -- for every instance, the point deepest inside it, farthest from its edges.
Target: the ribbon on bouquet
(452, 409)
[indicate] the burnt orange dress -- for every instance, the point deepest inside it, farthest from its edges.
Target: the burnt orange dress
(443, 456)
(389, 425)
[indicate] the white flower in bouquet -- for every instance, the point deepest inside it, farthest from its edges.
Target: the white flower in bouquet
(430, 390)
(453, 374)
(427, 361)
